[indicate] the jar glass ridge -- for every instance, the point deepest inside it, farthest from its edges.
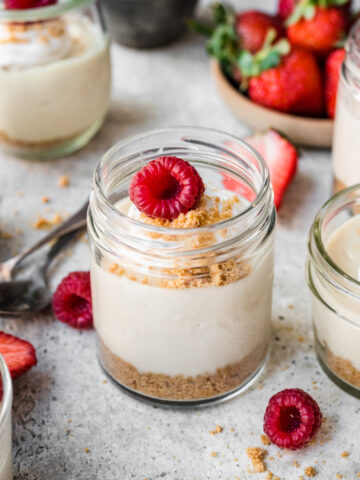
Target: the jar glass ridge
(5, 422)
(181, 264)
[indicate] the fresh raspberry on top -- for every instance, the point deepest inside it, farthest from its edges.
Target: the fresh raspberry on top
(19, 355)
(292, 418)
(72, 300)
(166, 187)
(27, 4)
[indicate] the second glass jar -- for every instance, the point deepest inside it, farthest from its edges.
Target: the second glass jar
(183, 315)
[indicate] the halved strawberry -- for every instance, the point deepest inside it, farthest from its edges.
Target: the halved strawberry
(281, 158)
(19, 355)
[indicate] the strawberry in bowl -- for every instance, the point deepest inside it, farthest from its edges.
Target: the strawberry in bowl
(269, 76)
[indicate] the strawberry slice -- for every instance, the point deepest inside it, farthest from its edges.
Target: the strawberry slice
(18, 354)
(281, 158)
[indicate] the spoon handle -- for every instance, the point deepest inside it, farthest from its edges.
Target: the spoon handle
(62, 242)
(72, 223)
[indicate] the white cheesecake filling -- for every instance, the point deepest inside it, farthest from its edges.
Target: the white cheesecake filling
(32, 44)
(346, 145)
(183, 331)
(341, 337)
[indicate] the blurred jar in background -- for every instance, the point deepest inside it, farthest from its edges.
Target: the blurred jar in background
(147, 23)
(346, 146)
(55, 70)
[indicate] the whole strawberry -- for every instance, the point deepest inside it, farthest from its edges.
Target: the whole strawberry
(332, 75)
(318, 25)
(286, 8)
(252, 27)
(293, 86)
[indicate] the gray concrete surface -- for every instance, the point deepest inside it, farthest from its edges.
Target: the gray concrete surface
(127, 439)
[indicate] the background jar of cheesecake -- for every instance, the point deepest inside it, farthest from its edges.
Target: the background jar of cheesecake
(183, 314)
(55, 70)
(346, 145)
(5, 422)
(333, 275)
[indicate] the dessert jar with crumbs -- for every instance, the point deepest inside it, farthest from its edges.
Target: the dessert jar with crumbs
(55, 70)
(181, 226)
(346, 146)
(5, 422)
(333, 273)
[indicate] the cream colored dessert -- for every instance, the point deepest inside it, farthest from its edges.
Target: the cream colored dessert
(346, 146)
(56, 75)
(194, 335)
(341, 337)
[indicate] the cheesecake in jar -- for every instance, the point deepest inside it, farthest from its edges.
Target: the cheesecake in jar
(181, 266)
(334, 279)
(5, 422)
(55, 70)
(346, 143)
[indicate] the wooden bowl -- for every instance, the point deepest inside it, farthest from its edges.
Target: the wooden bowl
(310, 132)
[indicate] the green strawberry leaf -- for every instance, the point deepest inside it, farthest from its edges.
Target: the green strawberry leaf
(307, 9)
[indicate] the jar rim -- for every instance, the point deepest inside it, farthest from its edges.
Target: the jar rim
(7, 389)
(41, 13)
(317, 236)
(253, 206)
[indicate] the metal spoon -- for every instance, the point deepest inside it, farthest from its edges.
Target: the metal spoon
(74, 222)
(32, 295)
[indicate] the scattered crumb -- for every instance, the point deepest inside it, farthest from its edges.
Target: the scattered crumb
(213, 454)
(338, 475)
(271, 459)
(18, 231)
(19, 193)
(86, 450)
(64, 181)
(301, 477)
(260, 387)
(43, 223)
(69, 421)
(265, 440)
(256, 456)
(358, 474)
(105, 381)
(301, 339)
(310, 471)
(290, 306)
(218, 429)
(232, 429)
(296, 464)
(236, 459)
(45, 199)
(271, 476)
(345, 454)
(6, 235)
(149, 428)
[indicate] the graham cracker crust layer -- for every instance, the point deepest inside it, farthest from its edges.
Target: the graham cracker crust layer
(4, 138)
(179, 387)
(343, 368)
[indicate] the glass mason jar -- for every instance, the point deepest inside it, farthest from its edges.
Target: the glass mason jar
(5, 422)
(346, 145)
(182, 315)
(335, 294)
(55, 70)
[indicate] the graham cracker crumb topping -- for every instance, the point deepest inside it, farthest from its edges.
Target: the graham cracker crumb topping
(202, 216)
(265, 440)
(257, 456)
(218, 429)
(310, 471)
(64, 181)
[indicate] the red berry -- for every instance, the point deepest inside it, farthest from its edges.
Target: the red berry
(26, 4)
(286, 7)
(322, 33)
(294, 86)
(19, 355)
(252, 27)
(72, 300)
(332, 75)
(281, 158)
(292, 418)
(166, 187)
